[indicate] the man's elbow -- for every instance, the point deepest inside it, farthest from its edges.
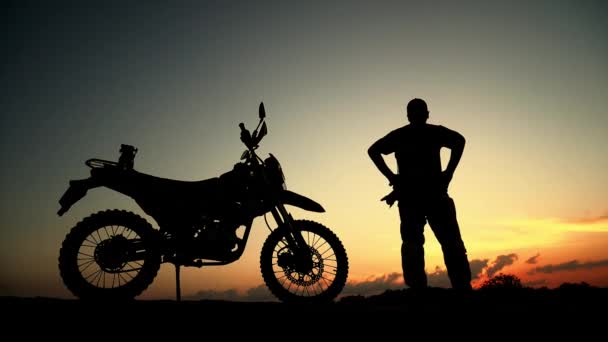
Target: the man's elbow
(461, 141)
(373, 152)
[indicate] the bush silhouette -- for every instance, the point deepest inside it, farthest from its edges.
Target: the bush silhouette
(502, 281)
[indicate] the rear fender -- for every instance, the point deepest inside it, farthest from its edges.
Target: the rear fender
(75, 192)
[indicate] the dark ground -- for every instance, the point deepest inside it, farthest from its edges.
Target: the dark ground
(576, 312)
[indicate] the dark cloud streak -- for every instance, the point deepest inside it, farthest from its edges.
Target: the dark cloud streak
(589, 220)
(259, 293)
(571, 265)
(533, 260)
(501, 262)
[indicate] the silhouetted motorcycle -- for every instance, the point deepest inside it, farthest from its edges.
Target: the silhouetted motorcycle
(116, 254)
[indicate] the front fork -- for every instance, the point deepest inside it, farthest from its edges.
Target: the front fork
(294, 235)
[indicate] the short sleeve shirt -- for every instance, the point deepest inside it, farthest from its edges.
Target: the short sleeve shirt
(417, 150)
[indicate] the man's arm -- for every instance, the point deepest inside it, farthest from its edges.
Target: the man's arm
(455, 143)
(375, 153)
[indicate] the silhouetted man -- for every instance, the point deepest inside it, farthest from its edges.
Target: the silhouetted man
(421, 187)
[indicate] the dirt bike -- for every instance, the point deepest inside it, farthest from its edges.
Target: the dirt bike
(116, 254)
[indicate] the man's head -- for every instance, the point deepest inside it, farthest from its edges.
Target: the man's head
(417, 111)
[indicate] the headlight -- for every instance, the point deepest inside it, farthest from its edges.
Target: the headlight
(275, 172)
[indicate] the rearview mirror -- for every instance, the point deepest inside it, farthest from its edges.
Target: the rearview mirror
(262, 111)
(258, 135)
(263, 131)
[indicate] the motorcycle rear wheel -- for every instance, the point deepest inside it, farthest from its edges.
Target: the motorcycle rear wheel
(94, 262)
(323, 282)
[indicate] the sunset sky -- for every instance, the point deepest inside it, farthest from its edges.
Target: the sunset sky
(526, 83)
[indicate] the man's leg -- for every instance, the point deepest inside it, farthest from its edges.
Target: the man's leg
(443, 222)
(412, 247)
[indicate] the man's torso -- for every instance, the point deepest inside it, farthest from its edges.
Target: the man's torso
(417, 150)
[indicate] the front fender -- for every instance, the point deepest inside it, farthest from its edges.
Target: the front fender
(297, 200)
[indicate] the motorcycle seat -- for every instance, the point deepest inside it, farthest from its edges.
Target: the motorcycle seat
(171, 186)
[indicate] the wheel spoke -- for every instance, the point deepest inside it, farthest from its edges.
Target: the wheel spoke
(282, 243)
(87, 262)
(99, 278)
(105, 228)
(325, 278)
(327, 250)
(95, 280)
(121, 277)
(311, 242)
(88, 265)
(129, 274)
(320, 286)
(315, 240)
(307, 290)
(92, 275)
(95, 242)
(321, 245)
(325, 281)
(132, 269)
(98, 235)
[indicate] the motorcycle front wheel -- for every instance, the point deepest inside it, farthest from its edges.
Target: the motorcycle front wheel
(110, 255)
(320, 279)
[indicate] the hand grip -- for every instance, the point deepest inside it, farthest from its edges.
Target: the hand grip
(245, 135)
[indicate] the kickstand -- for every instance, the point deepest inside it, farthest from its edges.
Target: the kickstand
(178, 291)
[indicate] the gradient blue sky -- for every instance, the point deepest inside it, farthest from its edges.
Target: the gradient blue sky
(526, 82)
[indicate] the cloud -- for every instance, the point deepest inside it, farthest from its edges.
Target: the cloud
(439, 278)
(589, 220)
(374, 285)
(258, 293)
(533, 260)
(501, 262)
(571, 265)
(394, 280)
(370, 286)
(477, 266)
(551, 224)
